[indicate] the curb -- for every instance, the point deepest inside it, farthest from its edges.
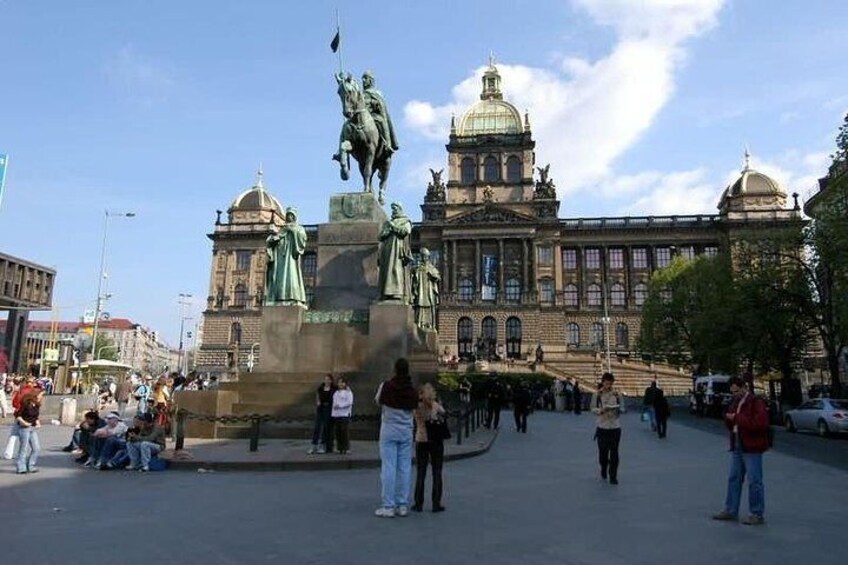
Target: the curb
(304, 465)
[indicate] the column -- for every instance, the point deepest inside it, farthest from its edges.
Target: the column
(454, 274)
(525, 283)
(444, 267)
(478, 280)
(501, 288)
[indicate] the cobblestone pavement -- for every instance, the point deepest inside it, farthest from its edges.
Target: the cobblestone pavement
(532, 498)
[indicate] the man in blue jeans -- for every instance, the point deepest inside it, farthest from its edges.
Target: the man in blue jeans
(747, 421)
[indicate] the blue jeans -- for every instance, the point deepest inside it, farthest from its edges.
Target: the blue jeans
(141, 452)
(29, 450)
(111, 446)
(396, 466)
(652, 415)
(742, 464)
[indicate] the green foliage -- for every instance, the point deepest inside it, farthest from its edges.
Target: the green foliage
(450, 381)
(106, 347)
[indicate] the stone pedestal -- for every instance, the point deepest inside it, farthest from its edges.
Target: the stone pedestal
(278, 340)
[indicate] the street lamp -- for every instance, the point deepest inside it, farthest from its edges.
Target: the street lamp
(183, 301)
(107, 214)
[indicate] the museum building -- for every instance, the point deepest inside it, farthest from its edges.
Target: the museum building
(514, 274)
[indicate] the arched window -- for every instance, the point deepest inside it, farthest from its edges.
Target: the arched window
(240, 296)
(513, 337)
(466, 289)
(513, 290)
(640, 293)
(490, 335)
(593, 295)
(465, 337)
(572, 334)
(235, 333)
(491, 169)
(622, 336)
(546, 291)
(617, 296)
(570, 295)
(513, 169)
(597, 334)
(468, 171)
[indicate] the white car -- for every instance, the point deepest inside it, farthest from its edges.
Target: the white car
(822, 415)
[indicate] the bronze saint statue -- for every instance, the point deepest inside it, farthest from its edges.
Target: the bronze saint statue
(425, 291)
(283, 276)
(393, 257)
(367, 134)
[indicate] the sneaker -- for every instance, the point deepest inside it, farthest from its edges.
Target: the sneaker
(402, 511)
(144, 469)
(109, 465)
(98, 465)
(36, 469)
(613, 481)
(439, 508)
(82, 458)
(725, 516)
(321, 450)
(383, 512)
(417, 508)
(22, 472)
(311, 450)
(68, 448)
(130, 467)
(88, 462)
(754, 520)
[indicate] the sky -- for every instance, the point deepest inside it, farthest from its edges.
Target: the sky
(166, 109)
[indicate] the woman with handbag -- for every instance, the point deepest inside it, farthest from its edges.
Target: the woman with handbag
(431, 431)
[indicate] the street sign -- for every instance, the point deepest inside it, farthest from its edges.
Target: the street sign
(50, 355)
(88, 316)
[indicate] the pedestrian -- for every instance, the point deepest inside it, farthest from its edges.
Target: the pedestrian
(430, 426)
(521, 406)
(494, 401)
(465, 391)
(747, 421)
(397, 399)
(662, 411)
(341, 413)
(577, 398)
(323, 414)
(608, 405)
(6, 388)
(122, 395)
(648, 403)
(28, 422)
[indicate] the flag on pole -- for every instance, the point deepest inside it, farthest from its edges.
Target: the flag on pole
(4, 161)
(334, 44)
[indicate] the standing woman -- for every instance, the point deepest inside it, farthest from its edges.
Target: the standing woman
(323, 413)
(27, 420)
(342, 410)
(397, 399)
(429, 447)
(662, 412)
(608, 405)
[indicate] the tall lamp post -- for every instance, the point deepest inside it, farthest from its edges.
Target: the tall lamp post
(102, 274)
(183, 301)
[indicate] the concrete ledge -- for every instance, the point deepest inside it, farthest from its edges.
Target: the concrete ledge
(291, 455)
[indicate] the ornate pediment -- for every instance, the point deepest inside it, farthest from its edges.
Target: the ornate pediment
(492, 214)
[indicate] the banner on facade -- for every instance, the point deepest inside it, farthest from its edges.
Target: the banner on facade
(490, 277)
(4, 164)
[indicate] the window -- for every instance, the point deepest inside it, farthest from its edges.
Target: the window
(640, 258)
(663, 257)
(570, 295)
(617, 296)
(465, 337)
(597, 334)
(243, 260)
(468, 171)
(616, 258)
(235, 333)
(240, 296)
(491, 169)
(622, 337)
(546, 256)
(640, 293)
(546, 291)
(593, 258)
(310, 264)
(687, 252)
(513, 290)
(572, 334)
(569, 259)
(513, 337)
(310, 293)
(593, 295)
(513, 169)
(466, 289)
(711, 251)
(490, 332)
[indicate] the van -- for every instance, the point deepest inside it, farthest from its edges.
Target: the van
(716, 389)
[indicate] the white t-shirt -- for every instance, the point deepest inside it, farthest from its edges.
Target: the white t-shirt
(342, 404)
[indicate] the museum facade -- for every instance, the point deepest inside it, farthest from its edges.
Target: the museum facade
(514, 274)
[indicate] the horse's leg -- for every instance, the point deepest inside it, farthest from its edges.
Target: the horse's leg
(342, 156)
(384, 177)
(366, 167)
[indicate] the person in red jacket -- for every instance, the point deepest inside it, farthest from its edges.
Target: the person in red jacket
(748, 423)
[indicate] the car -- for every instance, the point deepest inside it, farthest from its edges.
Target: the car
(716, 391)
(823, 415)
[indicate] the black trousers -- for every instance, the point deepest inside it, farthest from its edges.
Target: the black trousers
(341, 426)
(430, 453)
(662, 426)
(521, 419)
(608, 441)
(493, 415)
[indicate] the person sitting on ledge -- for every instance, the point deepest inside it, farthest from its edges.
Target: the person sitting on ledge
(112, 436)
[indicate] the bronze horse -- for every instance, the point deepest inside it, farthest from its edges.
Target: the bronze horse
(361, 138)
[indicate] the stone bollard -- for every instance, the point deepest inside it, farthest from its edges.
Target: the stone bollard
(68, 411)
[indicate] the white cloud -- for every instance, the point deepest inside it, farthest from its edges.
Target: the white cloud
(584, 114)
(139, 77)
(674, 193)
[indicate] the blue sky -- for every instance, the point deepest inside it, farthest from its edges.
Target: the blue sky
(166, 109)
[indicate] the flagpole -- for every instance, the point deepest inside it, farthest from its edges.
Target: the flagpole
(338, 33)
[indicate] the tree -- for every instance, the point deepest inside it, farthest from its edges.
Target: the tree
(106, 348)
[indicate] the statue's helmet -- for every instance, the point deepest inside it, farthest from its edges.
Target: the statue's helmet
(368, 75)
(425, 252)
(291, 211)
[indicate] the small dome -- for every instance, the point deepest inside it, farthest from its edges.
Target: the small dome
(755, 183)
(256, 199)
(491, 116)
